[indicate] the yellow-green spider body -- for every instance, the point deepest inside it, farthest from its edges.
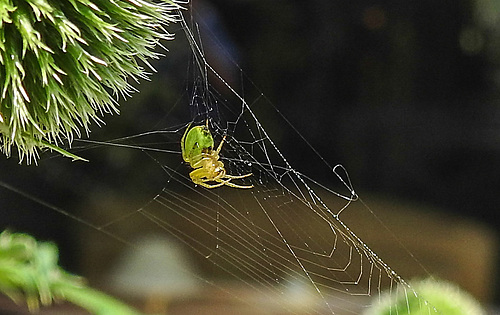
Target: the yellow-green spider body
(197, 146)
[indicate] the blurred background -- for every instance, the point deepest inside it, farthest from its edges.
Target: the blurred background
(404, 94)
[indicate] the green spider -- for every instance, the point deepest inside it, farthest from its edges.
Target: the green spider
(197, 149)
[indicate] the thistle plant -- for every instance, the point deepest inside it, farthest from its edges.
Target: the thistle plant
(63, 64)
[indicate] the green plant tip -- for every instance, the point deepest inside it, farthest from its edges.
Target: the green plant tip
(426, 297)
(29, 272)
(62, 64)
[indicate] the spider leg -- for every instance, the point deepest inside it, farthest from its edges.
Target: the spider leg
(237, 176)
(220, 145)
(182, 142)
(197, 174)
(209, 185)
(228, 183)
(220, 182)
(199, 177)
(210, 169)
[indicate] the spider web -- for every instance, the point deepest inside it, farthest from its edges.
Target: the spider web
(285, 240)
(285, 246)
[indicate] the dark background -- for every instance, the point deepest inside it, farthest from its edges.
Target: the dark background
(384, 88)
(404, 94)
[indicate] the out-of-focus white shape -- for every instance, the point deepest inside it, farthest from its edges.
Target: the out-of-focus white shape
(155, 266)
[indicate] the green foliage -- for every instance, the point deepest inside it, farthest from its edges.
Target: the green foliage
(29, 272)
(61, 61)
(427, 297)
